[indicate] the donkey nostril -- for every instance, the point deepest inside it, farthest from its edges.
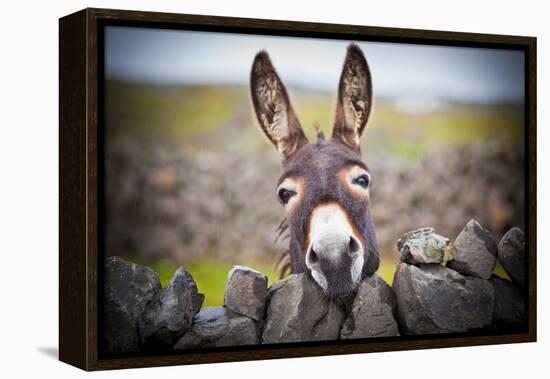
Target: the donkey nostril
(312, 256)
(353, 245)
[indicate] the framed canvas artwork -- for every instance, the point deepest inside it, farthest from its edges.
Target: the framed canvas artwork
(238, 189)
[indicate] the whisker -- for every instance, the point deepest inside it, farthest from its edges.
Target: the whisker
(282, 223)
(285, 255)
(279, 233)
(284, 270)
(280, 229)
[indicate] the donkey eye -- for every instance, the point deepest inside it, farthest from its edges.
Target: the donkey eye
(285, 195)
(362, 180)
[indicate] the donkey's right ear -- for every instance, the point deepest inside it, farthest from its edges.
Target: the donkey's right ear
(273, 108)
(354, 98)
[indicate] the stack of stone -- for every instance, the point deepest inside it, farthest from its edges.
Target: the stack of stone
(444, 287)
(238, 321)
(291, 310)
(439, 287)
(141, 315)
(297, 310)
(510, 304)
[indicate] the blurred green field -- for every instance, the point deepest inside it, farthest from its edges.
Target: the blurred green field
(203, 111)
(211, 275)
(169, 111)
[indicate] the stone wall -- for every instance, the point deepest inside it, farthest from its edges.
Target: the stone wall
(160, 195)
(439, 287)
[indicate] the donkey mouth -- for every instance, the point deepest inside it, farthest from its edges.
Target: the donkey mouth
(341, 289)
(334, 288)
(337, 280)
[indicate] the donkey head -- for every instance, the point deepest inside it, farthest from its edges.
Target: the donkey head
(325, 185)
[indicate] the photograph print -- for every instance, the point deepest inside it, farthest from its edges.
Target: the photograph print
(264, 190)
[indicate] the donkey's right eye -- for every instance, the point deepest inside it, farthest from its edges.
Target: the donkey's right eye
(362, 180)
(285, 195)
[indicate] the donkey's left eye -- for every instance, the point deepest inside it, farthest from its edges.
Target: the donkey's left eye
(285, 195)
(362, 180)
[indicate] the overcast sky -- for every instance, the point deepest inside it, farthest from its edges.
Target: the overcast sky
(400, 71)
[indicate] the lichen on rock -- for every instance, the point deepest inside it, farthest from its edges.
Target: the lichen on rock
(424, 246)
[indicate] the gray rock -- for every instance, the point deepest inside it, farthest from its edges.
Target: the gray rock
(509, 311)
(128, 289)
(241, 330)
(434, 299)
(298, 311)
(474, 251)
(245, 292)
(218, 326)
(209, 325)
(511, 253)
(170, 313)
(371, 312)
(424, 246)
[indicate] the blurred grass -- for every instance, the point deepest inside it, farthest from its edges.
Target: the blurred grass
(211, 275)
(202, 110)
(169, 110)
(410, 136)
(499, 271)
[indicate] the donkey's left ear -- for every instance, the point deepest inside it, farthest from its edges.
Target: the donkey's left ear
(354, 98)
(273, 109)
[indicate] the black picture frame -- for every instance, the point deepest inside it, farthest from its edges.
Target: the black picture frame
(81, 184)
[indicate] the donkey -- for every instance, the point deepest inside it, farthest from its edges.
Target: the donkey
(325, 185)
